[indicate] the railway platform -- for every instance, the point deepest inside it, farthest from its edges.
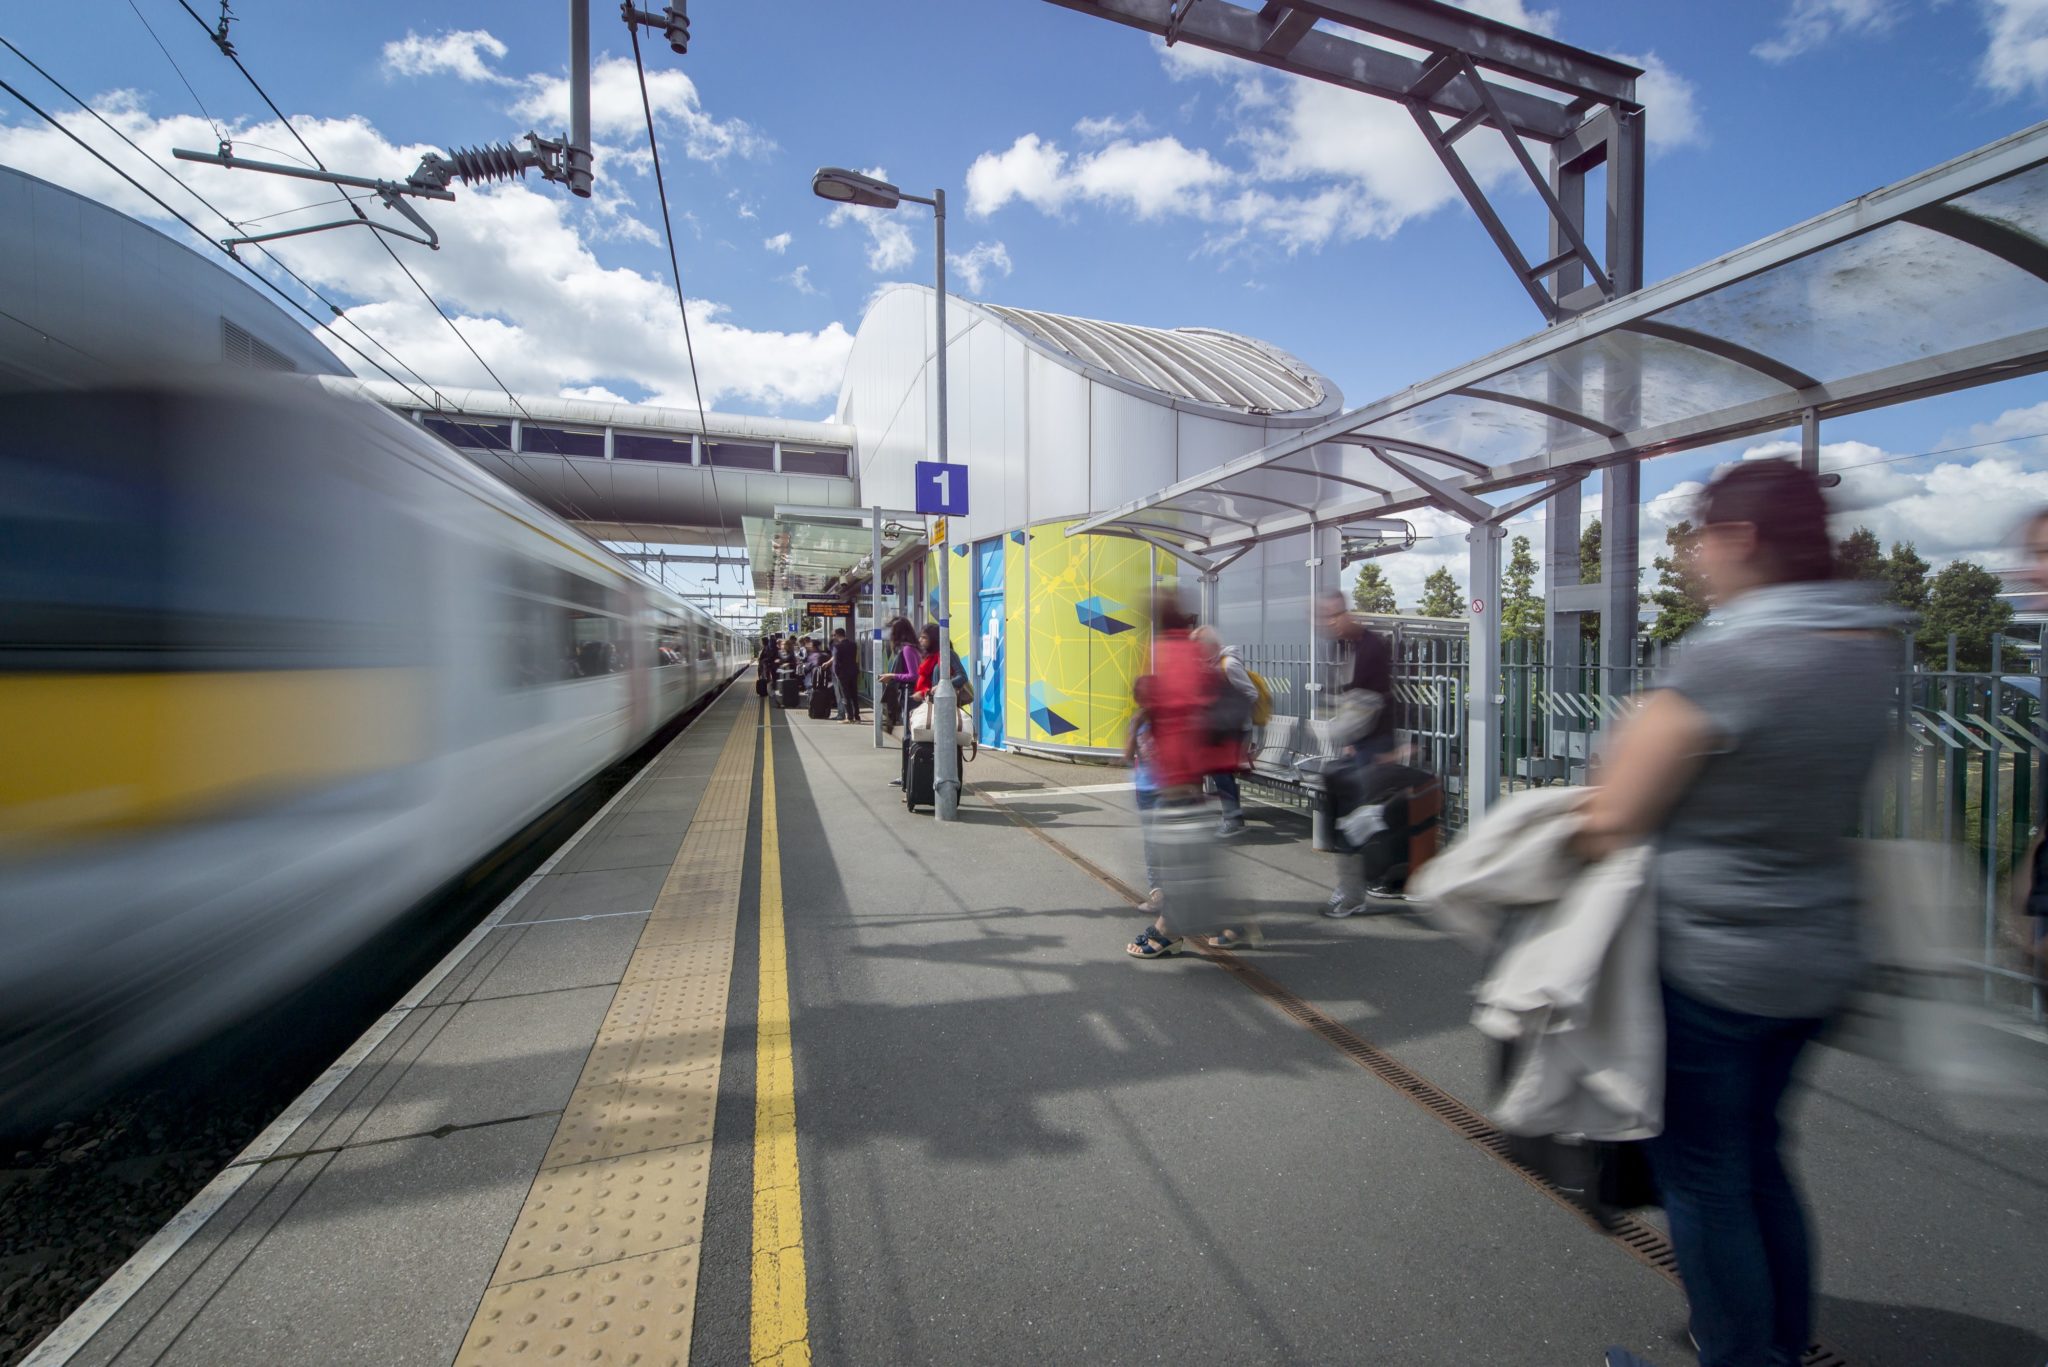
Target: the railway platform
(763, 1068)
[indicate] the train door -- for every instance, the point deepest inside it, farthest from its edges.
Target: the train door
(988, 648)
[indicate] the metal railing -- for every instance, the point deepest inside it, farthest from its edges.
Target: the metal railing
(1968, 770)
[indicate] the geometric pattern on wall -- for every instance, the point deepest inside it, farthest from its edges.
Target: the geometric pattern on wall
(1095, 615)
(1042, 714)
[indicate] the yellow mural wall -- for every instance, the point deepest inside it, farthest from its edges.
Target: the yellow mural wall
(1090, 637)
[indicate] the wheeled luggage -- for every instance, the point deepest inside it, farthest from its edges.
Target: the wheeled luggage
(917, 775)
(822, 701)
(1411, 803)
(792, 689)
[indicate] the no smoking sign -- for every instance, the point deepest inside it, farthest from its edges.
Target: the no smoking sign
(1478, 606)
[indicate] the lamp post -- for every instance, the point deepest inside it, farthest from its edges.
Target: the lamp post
(851, 187)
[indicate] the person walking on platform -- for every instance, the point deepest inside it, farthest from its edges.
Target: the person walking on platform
(1363, 726)
(1242, 690)
(1746, 770)
(1180, 689)
(764, 665)
(846, 675)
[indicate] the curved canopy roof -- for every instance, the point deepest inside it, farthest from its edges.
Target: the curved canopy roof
(1200, 364)
(1934, 284)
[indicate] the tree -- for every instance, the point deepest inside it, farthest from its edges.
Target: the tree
(1521, 607)
(1905, 575)
(1963, 599)
(1372, 592)
(1679, 597)
(1441, 596)
(1860, 556)
(771, 622)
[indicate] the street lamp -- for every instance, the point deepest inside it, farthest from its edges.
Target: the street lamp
(842, 186)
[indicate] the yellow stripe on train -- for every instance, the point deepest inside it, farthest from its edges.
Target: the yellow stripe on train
(85, 753)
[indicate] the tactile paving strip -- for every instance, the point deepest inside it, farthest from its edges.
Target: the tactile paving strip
(602, 1262)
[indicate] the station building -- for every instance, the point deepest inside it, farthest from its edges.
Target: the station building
(1056, 418)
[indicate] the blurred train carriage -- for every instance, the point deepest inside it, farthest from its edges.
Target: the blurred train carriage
(274, 665)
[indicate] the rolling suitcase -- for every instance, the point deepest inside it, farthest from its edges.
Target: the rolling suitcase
(917, 775)
(822, 701)
(792, 689)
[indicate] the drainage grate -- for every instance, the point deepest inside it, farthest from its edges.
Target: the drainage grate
(1644, 1240)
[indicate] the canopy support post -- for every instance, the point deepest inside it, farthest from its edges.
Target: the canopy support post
(1621, 496)
(1483, 691)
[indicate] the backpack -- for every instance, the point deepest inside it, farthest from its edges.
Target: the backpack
(1262, 710)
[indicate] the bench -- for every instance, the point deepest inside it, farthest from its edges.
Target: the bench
(1290, 758)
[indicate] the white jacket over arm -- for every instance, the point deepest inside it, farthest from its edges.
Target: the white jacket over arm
(1573, 985)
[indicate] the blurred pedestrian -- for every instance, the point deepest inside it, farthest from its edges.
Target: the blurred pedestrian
(1363, 729)
(1746, 767)
(2031, 889)
(764, 665)
(1238, 680)
(1183, 684)
(1139, 753)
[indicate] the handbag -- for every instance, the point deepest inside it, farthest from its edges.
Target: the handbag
(921, 724)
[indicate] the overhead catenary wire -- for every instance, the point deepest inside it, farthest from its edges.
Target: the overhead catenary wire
(256, 85)
(334, 309)
(676, 274)
(204, 112)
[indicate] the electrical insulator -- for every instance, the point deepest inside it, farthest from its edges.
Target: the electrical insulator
(494, 161)
(676, 26)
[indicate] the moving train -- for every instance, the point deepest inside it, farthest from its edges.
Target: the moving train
(275, 664)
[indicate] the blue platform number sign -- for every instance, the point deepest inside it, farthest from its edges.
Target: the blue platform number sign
(941, 489)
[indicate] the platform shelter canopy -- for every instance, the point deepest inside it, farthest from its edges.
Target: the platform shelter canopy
(800, 559)
(1934, 284)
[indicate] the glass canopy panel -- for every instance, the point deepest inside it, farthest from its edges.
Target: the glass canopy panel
(2018, 202)
(1631, 380)
(1478, 429)
(1896, 294)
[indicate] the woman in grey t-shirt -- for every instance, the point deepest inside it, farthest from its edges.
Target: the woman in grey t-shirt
(1746, 768)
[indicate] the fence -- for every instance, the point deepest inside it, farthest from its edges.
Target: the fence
(1968, 770)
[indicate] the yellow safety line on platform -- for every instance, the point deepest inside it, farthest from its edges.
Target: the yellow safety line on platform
(782, 1328)
(602, 1262)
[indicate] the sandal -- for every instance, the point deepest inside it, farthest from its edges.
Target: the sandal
(1234, 938)
(1150, 944)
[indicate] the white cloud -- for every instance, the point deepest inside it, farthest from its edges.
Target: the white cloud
(459, 52)
(973, 267)
(517, 270)
(800, 280)
(1110, 126)
(890, 246)
(615, 109)
(1809, 24)
(1320, 163)
(2016, 58)
(778, 243)
(1958, 507)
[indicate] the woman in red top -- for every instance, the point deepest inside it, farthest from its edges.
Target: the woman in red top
(927, 667)
(1181, 686)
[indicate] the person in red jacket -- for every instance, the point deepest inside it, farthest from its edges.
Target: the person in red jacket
(1181, 686)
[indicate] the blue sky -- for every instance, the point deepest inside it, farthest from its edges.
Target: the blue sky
(1090, 171)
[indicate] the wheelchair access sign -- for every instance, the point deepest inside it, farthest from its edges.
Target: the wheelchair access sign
(941, 489)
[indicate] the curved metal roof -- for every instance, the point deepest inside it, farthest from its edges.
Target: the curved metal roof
(1201, 364)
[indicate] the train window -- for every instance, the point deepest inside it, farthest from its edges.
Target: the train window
(733, 455)
(560, 441)
(484, 436)
(814, 463)
(647, 446)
